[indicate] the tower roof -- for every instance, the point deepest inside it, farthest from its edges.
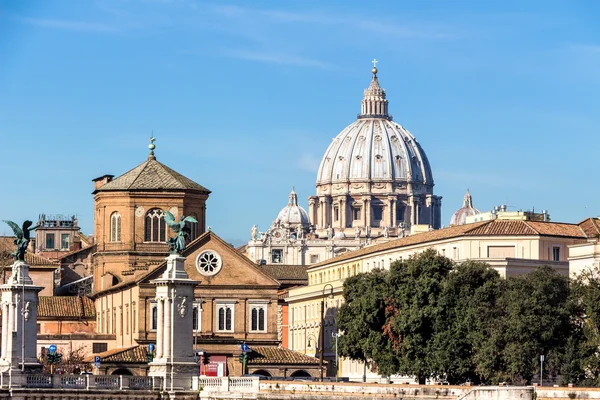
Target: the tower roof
(152, 175)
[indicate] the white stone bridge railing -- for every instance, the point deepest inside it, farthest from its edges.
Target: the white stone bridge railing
(242, 384)
(108, 382)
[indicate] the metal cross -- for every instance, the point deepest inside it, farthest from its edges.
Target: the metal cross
(375, 62)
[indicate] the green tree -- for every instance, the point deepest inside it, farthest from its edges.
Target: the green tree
(581, 362)
(362, 316)
(467, 309)
(414, 287)
(536, 320)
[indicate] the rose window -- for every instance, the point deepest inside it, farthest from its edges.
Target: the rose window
(209, 263)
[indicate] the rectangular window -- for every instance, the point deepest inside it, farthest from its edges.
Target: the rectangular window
(556, 253)
(258, 317)
(133, 319)
(277, 256)
(49, 241)
(64, 241)
(356, 213)
(400, 213)
(314, 258)
(153, 316)
(225, 317)
(377, 213)
(127, 319)
(99, 347)
(197, 317)
(336, 213)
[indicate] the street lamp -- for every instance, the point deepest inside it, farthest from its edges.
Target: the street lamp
(322, 335)
(310, 338)
(336, 335)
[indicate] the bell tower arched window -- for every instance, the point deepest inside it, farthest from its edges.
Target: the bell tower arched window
(115, 227)
(193, 227)
(155, 227)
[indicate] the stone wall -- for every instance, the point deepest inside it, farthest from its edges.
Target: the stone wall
(566, 393)
(277, 390)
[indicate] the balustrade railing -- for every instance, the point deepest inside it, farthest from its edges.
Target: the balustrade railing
(225, 384)
(108, 382)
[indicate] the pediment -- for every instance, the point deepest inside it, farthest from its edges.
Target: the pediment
(229, 267)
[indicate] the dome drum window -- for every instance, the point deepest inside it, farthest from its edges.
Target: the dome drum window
(209, 263)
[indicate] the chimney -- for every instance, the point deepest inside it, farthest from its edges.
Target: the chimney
(101, 181)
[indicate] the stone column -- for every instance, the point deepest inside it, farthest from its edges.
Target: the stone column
(19, 321)
(343, 204)
(393, 212)
(176, 291)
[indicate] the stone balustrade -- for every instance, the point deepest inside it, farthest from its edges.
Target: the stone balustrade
(243, 384)
(87, 382)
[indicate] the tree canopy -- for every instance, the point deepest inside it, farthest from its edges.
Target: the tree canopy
(431, 318)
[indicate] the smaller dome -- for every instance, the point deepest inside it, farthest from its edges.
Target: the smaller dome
(460, 216)
(339, 235)
(293, 214)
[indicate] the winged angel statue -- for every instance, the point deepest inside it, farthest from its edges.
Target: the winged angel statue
(22, 238)
(177, 243)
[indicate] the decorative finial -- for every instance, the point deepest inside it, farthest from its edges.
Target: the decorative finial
(151, 146)
(374, 70)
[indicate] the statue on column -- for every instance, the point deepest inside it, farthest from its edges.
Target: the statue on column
(177, 244)
(299, 232)
(386, 232)
(329, 232)
(22, 238)
(254, 232)
(368, 231)
(357, 233)
(401, 230)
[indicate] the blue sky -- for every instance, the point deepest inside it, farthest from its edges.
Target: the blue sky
(244, 98)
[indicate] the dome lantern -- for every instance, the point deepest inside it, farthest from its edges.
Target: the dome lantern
(374, 103)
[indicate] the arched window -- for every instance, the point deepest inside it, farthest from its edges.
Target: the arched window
(193, 227)
(154, 229)
(115, 227)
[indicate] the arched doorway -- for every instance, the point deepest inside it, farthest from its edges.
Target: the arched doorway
(122, 371)
(261, 372)
(301, 374)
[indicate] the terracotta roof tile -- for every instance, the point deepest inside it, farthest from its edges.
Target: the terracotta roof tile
(482, 228)
(134, 354)
(499, 227)
(557, 229)
(591, 227)
(285, 272)
(152, 175)
(276, 355)
(7, 246)
(66, 307)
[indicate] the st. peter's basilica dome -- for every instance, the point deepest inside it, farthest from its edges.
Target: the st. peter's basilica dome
(374, 175)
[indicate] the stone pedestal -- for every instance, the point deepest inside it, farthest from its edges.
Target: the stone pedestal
(174, 356)
(19, 301)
